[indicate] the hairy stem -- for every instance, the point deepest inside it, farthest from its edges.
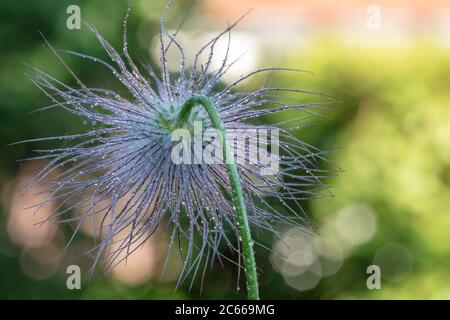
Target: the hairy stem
(238, 197)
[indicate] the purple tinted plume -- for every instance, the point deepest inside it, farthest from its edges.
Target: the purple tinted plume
(121, 177)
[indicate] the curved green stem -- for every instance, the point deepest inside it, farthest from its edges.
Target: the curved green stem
(238, 197)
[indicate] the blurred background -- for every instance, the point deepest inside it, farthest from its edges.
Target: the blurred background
(387, 62)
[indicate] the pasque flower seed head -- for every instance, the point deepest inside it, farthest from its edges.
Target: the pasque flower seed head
(121, 176)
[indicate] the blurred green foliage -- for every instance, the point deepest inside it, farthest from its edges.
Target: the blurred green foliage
(392, 131)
